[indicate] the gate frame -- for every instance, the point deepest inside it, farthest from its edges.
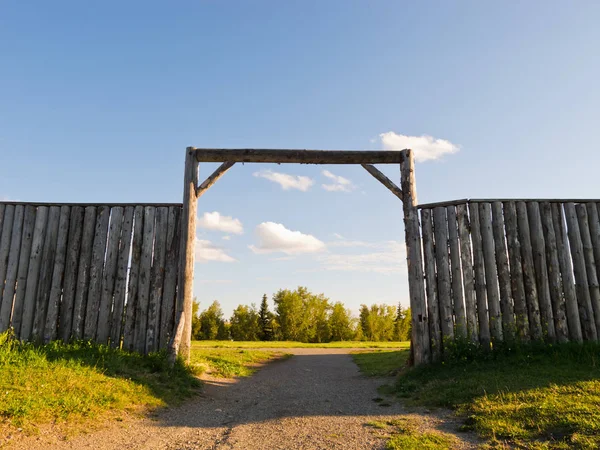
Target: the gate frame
(181, 342)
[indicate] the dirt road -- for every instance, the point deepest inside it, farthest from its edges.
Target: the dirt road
(315, 400)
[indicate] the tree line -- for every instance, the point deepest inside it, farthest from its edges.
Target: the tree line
(300, 315)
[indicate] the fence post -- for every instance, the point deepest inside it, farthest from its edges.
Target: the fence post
(182, 336)
(420, 326)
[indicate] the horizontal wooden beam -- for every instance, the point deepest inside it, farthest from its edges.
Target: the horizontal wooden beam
(492, 200)
(213, 178)
(379, 176)
(280, 156)
(109, 204)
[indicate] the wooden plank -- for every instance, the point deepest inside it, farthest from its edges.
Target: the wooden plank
(433, 310)
(109, 275)
(538, 245)
(491, 271)
(181, 342)
(5, 241)
(46, 270)
(85, 205)
(584, 301)
(33, 272)
(141, 315)
(206, 184)
(134, 272)
(50, 330)
(594, 223)
(11, 269)
(26, 242)
(467, 271)
(70, 274)
(279, 156)
(504, 200)
(120, 293)
(420, 344)
(479, 270)
(556, 288)
(440, 230)
(506, 301)
(157, 276)
(590, 263)
(379, 176)
(167, 314)
(531, 294)
(2, 208)
(455, 268)
(83, 272)
(517, 284)
(566, 270)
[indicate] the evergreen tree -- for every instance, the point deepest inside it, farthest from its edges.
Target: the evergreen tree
(265, 319)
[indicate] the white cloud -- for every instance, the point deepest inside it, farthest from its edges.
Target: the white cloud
(286, 181)
(226, 238)
(215, 221)
(340, 184)
(274, 237)
(387, 258)
(425, 148)
(206, 251)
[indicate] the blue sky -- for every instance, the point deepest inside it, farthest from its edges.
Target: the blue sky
(98, 102)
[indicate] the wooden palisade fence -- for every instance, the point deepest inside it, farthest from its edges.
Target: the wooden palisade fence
(105, 272)
(511, 271)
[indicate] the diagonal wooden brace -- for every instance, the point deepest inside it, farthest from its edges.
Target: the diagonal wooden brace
(378, 175)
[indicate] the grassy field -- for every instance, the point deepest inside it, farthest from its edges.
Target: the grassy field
(83, 383)
(292, 344)
(381, 363)
(539, 398)
(404, 434)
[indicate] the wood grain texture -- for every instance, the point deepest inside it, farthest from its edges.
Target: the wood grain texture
(5, 241)
(566, 270)
(440, 230)
(25, 253)
(12, 266)
(167, 314)
(141, 314)
(556, 288)
(134, 272)
(458, 304)
(466, 258)
(379, 176)
(433, 310)
(590, 263)
(70, 276)
(157, 276)
(538, 245)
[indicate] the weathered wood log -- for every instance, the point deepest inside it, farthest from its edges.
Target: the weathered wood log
(5, 240)
(440, 230)
(435, 332)
(11, 269)
(420, 326)
(531, 294)
(538, 245)
(491, 271)
(556, 287)
(120, 292)
(506, 302)
(206, 184)
(455, 267)
(593, 220)
(134, 272)
(2, 208)
(33, 272)
(157, 275)
(586, 312)
(379, 176)
(167, 315)
(70, 276)
(516, 270)
(278, 156)
(46, 270)
(479, 270)
(109, 275)
(83, 273)
(467, 270)
(50, 330)
(141, 314)
(25, 253)
(566, 270)
(181, 342)
(96, 270)
(590, 263)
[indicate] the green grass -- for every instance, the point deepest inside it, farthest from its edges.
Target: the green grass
(61, 383)
(380, 363)
(230, 362)
(292, 344)
(403, 434)
(535, 397)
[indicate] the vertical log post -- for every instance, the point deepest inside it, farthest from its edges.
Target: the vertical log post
(182, 337)
(467, 270)
(420, 327)
(433, 309)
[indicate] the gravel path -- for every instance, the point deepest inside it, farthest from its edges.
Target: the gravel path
(315, 400)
